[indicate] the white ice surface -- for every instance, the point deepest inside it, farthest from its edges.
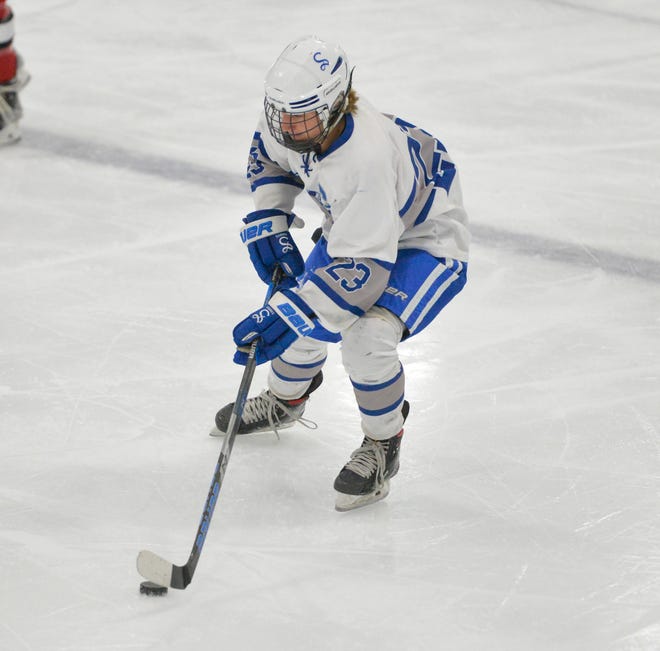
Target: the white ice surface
(526, 514)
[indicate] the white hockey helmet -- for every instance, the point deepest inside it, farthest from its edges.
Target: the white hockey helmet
(310, 76)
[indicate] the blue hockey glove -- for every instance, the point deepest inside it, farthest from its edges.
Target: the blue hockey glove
(276, 325)
(270, 244)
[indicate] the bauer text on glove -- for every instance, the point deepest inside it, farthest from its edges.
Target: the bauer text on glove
(276, 326)
(266, 235)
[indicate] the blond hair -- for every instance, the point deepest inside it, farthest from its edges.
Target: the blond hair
(351, 105)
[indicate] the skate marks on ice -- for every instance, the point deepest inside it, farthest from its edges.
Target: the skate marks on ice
(574, 254)
(209, 177)
(129, 159)
(602, 11)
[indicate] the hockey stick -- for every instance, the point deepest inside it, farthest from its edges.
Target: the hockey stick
(155, 568)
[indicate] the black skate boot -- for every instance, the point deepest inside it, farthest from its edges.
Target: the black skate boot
(266, 412)
(365, 478)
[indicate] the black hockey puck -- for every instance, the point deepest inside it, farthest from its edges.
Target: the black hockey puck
(150, 588)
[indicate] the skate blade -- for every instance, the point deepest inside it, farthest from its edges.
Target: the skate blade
(346, 502)
(216, 432)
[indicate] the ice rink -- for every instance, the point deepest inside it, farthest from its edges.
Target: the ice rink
(526, 515)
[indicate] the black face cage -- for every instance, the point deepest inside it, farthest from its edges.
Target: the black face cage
(328, 118)
(301, 143)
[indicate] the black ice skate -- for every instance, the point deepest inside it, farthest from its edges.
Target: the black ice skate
(267, 413)
(365, 478)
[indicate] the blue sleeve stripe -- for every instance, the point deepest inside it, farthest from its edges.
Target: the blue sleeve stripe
(424, 212)
(385, 410)
(409, 201)
(287, 180)
(263, 152)
(377, 387)
(446, 179)
(261, 146)
(334, 297)
(299, 302)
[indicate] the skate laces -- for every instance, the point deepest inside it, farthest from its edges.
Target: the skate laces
(266, 406)
(370, 458)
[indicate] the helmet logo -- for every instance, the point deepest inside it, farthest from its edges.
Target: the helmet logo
(323, 63)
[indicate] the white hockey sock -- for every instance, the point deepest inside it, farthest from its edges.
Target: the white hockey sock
(291, 374)
(370, 356)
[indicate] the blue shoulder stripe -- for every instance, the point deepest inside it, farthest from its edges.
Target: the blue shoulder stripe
(288, 180)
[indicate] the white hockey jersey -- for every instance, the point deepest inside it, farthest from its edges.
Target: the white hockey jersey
(383, 185)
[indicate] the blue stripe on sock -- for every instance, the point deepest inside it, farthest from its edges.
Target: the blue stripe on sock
(303, 365)
(380, 412)
(284, 378)
(377, 387)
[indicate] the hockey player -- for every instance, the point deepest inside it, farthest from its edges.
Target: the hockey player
(13, 78)
(392, 253)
